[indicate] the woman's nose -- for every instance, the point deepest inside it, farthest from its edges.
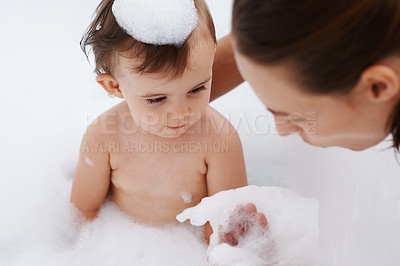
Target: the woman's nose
(285, 128)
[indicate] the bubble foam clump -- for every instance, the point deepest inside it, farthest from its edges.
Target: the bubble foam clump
(158, 22)
(292, 237)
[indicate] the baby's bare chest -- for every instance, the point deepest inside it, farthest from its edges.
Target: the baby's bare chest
(157, 168)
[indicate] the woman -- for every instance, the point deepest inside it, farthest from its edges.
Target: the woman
(338, 60)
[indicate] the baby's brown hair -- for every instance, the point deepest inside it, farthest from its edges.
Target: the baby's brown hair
(107, 40)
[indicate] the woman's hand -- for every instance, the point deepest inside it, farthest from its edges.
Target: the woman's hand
(243, 219)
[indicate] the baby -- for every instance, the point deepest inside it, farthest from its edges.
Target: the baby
(163, 148)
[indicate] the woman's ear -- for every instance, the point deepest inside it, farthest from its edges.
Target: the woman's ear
(381, 83)
(110, 85)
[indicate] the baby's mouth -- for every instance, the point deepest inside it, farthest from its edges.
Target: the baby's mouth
(177, 127)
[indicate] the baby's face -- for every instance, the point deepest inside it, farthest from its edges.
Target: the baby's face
(166, 107)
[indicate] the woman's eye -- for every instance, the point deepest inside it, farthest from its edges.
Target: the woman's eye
(202, 88)
(156, 100)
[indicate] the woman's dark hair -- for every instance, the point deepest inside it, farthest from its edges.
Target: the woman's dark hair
(329, 42)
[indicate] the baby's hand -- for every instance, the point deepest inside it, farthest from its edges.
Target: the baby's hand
(243, 219)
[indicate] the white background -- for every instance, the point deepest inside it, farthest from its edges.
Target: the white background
(49, 96)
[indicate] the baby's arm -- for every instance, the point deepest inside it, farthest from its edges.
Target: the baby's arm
(225, 169)
(92, 175)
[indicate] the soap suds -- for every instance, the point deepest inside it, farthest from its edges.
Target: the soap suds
(157, 22)
(186, 196)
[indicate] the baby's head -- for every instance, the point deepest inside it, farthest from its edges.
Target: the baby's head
(166, 87)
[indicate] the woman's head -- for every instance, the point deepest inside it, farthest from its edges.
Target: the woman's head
(336, 61)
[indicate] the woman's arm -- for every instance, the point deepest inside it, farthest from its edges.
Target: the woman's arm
(226, 75)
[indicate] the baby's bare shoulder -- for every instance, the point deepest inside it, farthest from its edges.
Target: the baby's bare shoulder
(109, 125)
(217, 125)
(115, 114)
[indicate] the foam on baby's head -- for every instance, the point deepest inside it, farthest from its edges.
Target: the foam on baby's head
(157, 22)
(155, 46)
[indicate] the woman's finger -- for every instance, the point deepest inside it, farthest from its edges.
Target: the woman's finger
(242, 220)
(228, 238)
(262, 220)
(251, 209)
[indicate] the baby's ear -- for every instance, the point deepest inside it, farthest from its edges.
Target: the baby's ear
(110, 84)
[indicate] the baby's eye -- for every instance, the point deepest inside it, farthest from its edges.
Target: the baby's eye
(202, 88)
(156, 100)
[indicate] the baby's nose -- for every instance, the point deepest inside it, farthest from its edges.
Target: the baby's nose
(179, 112)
